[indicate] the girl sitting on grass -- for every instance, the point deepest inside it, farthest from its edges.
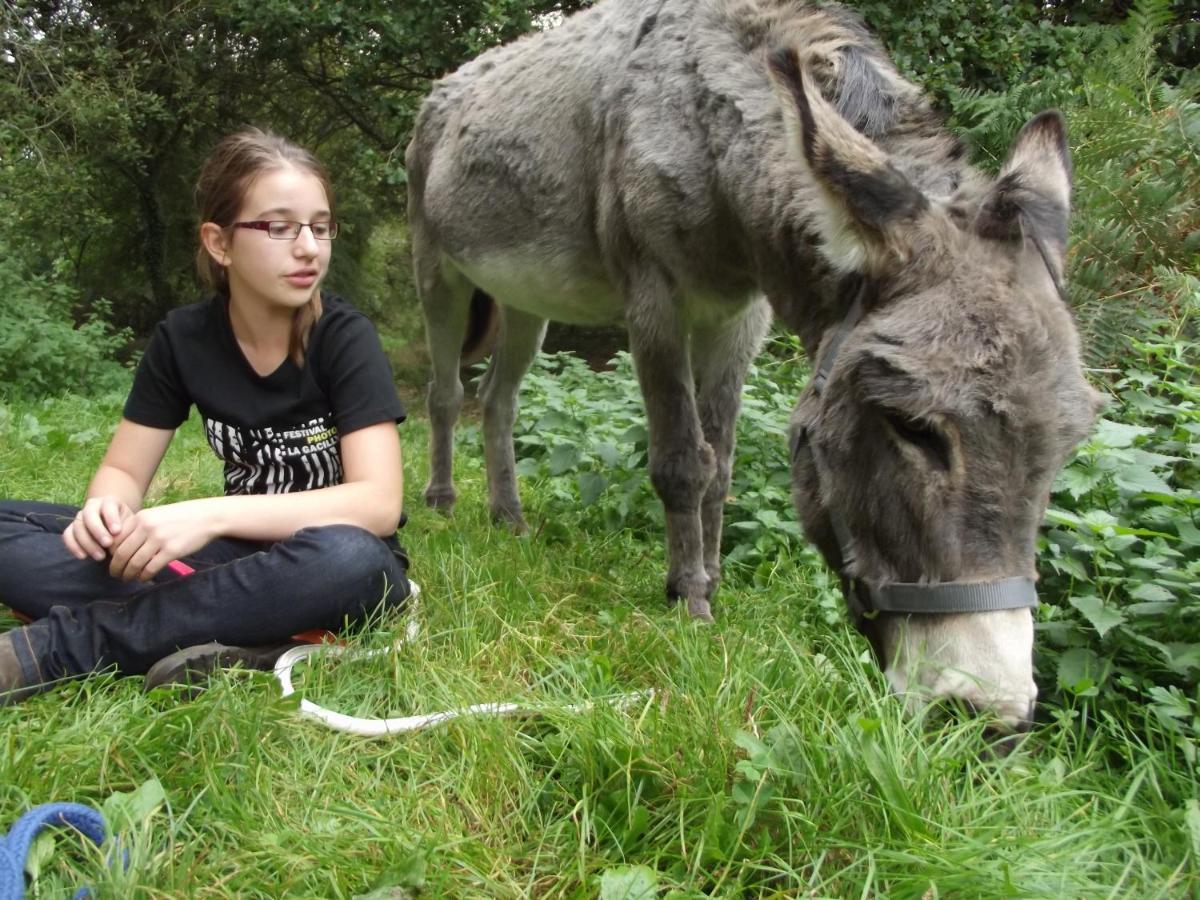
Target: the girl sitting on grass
(298, 401)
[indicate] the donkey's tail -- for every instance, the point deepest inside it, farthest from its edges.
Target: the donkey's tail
(483, 325)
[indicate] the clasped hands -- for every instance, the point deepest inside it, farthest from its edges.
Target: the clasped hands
(139, 544)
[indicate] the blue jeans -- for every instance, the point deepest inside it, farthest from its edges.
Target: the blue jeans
(243, 593)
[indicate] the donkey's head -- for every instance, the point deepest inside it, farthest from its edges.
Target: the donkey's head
(945, 400)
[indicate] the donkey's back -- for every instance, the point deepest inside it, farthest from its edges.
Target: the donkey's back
(505, 171)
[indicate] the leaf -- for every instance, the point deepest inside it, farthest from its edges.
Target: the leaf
(609, 454)
(133, 808)
(629, 883)
(1054, 772)
(1188, 533)
(385, 893)
(84, 437)
(1192, 818)
(1068, 565)
(1183, 657)
(146, 800)
(395, 883)
(551, 421)
(1148, 609)
(1169, 703)
(1080, 671)
(1098, 520)
(1062, 517)
(1077, 480)
(756, 750)
(769, 517)
(1141, 481)
(1151, 593)
(1101, 617)
(635, 434)
(591, 486)
(563, 458)
(1116, 435)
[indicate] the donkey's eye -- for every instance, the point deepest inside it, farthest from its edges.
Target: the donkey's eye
(921, 435)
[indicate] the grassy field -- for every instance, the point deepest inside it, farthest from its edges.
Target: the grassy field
(767, 761)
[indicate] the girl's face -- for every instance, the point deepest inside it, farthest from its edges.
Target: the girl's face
(278, 273)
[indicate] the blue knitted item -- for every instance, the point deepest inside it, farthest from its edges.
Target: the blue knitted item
(14, 847)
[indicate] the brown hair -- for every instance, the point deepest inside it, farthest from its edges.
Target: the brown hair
(227, 173)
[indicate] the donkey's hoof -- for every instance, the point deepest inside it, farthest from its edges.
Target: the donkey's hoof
(511, 518)
(440, 498)
(699, 609)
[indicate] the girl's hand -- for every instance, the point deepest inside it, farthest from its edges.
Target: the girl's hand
(95, 527)
(153, 537)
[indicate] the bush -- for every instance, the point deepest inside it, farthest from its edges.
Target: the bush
(1121, 553)
(1135, 137)
(945, 45)
(42, 349)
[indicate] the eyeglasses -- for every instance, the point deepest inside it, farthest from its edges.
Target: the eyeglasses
(282, 230)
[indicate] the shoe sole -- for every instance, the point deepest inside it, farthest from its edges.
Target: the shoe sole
(192, 666)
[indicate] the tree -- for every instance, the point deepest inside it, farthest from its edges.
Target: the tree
(114, 103)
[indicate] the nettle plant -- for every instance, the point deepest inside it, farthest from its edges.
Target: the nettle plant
(583, 435)
(1121, 550)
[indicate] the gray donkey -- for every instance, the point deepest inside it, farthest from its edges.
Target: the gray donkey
(688, 166)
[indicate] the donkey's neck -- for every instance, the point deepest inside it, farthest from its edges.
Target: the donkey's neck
(768, 190)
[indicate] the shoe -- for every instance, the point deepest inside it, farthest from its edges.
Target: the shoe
(14, 687)
(193, 665)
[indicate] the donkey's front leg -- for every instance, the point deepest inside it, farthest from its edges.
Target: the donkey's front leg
(721, 355)
(681, 461)
(520, 338)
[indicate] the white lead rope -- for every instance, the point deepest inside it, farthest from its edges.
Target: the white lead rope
(369, 727)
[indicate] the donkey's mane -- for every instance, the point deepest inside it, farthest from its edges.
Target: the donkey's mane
(853, 71)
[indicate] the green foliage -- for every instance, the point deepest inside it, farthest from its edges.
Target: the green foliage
(584, 433)
(1121, 555)
(1135, 140)
(109, 109)
(42, 350)
(111, 106)
(987, 46)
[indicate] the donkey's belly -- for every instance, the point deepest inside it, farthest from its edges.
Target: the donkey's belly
(546, 286)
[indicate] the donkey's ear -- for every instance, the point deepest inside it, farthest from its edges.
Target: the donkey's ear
(1033, 194)
(865, 203)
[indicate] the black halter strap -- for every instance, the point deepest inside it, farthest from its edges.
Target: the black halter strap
(867, 597)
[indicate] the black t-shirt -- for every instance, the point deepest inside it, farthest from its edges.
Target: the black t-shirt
(275, 433)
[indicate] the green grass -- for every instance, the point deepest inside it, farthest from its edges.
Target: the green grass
(769, 760)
